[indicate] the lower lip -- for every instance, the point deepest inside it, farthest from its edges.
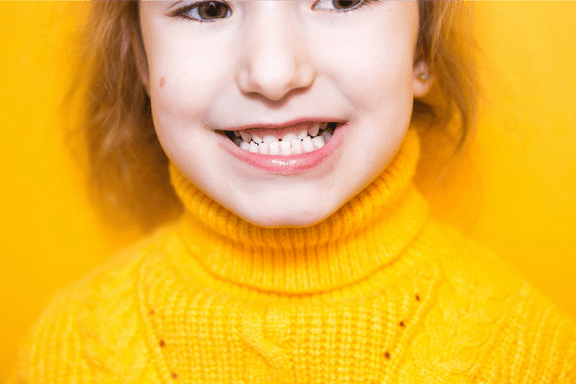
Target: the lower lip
(287, 164)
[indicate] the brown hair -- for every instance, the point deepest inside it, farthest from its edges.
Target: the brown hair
(127, 168)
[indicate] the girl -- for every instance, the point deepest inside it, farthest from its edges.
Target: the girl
(290, 132)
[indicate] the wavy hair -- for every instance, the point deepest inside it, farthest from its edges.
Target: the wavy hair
(127, 168)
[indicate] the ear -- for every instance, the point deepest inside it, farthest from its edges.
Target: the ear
(140, 59)
(422, 79)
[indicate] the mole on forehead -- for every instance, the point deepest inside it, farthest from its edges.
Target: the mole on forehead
(162, 82)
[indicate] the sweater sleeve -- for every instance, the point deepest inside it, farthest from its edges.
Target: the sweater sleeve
(52, 351)
(525, 337)
(91, 331)
(488, 325)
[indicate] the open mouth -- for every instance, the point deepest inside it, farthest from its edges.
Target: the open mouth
(266, 142)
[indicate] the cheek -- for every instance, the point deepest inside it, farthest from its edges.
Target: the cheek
(184, 85)
(380, 85)
(178, 98)
(372, 73)
(384, 84)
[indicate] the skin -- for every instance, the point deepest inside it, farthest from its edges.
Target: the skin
(273, 62)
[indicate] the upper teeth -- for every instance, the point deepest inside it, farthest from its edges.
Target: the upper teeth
(290, 144)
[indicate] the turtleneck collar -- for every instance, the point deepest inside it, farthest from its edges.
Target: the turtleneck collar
(363, 236)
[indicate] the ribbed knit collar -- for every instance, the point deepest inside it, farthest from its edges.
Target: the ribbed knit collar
(362, 237)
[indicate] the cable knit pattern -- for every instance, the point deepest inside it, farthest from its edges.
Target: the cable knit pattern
(376, 294)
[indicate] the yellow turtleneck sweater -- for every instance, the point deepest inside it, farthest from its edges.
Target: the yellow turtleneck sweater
(377, 293)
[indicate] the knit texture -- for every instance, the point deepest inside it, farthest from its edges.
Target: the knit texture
(377, 293)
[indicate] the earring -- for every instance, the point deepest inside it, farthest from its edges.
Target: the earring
(422, 77)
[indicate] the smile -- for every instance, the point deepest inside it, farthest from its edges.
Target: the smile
(290, 149)
(304, 140)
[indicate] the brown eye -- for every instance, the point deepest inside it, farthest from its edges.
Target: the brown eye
(340, 5)
(212, 10)
(346, 4)
(205, 11)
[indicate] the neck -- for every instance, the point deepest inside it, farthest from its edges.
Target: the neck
(366, 234)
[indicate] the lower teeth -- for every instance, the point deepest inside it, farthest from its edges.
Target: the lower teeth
(287, 148)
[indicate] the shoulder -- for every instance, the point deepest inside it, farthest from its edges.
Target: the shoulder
(90, 328)
(465, 262)
(470, 269)
(115, 281)
(484, 305)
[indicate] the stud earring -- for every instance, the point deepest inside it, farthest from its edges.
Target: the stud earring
(422, 77)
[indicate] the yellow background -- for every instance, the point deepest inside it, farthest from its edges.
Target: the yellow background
(525, 155)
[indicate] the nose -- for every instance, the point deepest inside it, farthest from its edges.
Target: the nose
(275, 61)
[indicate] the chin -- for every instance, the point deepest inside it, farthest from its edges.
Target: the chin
(288, 218)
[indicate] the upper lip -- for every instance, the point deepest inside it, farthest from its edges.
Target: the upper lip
(287, 124)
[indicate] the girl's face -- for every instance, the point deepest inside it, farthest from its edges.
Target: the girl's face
(279, 74)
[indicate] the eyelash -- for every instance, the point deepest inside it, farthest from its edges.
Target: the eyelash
(182, 12)
(357, 7)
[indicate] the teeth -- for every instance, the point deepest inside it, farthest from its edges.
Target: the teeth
(244, 145)
(319, 142)
(289, 137)
(274, 148)
(297, 147)
(314, 130)
(327, 135)
(270, 139)
(286, 148)
(246, 136)
(307, 144)
(306, 141)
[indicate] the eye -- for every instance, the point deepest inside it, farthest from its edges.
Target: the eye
(205, 11)
(339, 5)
